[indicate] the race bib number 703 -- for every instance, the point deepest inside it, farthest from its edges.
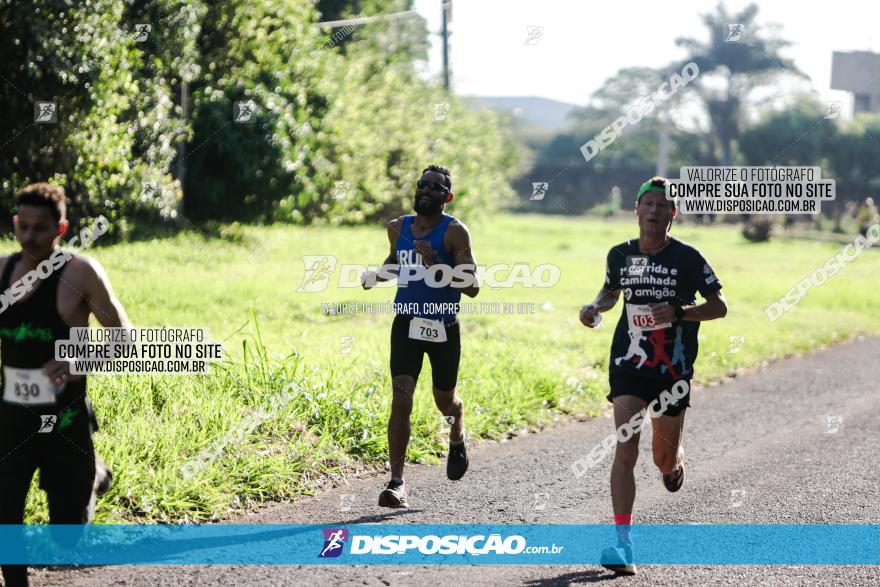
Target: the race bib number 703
(429, 330)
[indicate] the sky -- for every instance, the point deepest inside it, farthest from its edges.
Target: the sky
(585, 42)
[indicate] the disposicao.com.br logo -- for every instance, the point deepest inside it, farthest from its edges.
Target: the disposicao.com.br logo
(319, 269)
(334, 540)
(451, 544)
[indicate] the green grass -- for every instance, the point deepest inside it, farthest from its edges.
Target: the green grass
(517, 371)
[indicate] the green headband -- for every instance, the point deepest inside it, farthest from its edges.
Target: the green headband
(647, 187)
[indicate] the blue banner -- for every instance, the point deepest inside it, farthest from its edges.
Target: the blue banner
(658, 544)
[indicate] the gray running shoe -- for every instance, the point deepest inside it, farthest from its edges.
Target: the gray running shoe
(393, 496)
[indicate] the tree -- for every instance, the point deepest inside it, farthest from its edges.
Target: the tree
(579, 185)
(82, 63)
(255, 55)
(797, 135)
(853, 155)
(332, 106)
(731, 70)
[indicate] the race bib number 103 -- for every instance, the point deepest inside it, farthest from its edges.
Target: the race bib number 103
(641, 318)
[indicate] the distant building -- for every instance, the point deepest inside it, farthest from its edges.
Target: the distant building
(858, 72)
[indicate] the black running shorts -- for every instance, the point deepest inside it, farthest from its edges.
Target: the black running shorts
(65, 457)
(407, 354)
(648, 390)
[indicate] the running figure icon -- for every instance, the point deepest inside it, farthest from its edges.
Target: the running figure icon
(635, 349)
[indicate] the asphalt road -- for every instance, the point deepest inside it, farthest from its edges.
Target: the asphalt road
(758, 450)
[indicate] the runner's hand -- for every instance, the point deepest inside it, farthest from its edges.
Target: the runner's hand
(663, 313)
(368, 279)
(589, 313)
(59, 372)
(424, 249)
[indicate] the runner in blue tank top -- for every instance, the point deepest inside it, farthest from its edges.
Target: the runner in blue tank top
(425, 248)
(434, 303)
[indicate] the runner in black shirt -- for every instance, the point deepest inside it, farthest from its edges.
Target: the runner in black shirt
(654, 346)
(46, 418)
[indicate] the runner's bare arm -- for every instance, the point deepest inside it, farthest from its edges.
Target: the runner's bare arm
(394, 228)
(99, 295)
(87, 276)
(714, 307)
(369, 278)
(605, 300)
(460, 244)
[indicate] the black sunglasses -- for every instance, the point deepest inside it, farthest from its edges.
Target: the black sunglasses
(431, 185)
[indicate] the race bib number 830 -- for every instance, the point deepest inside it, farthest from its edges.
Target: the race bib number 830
(28, 387)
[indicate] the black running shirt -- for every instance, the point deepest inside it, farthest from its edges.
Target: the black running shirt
(674, 275)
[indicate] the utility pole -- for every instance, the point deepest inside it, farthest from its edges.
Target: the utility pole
(181, 144)
(663, 144)
(663, 115)
(445, 6)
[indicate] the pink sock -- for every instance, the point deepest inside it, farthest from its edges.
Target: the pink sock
(623, 523)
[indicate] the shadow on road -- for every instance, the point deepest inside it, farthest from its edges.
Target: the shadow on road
(374, 518)
(572, 579)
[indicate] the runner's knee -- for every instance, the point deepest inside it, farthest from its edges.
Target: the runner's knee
(401, 405)
(626, 454)
(447, 401)
(402, 400)
(403, 385)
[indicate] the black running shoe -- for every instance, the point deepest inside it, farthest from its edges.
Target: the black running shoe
(457, 461)
(674, 480)
(393, 496)
(619, 559)
(103, 478)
